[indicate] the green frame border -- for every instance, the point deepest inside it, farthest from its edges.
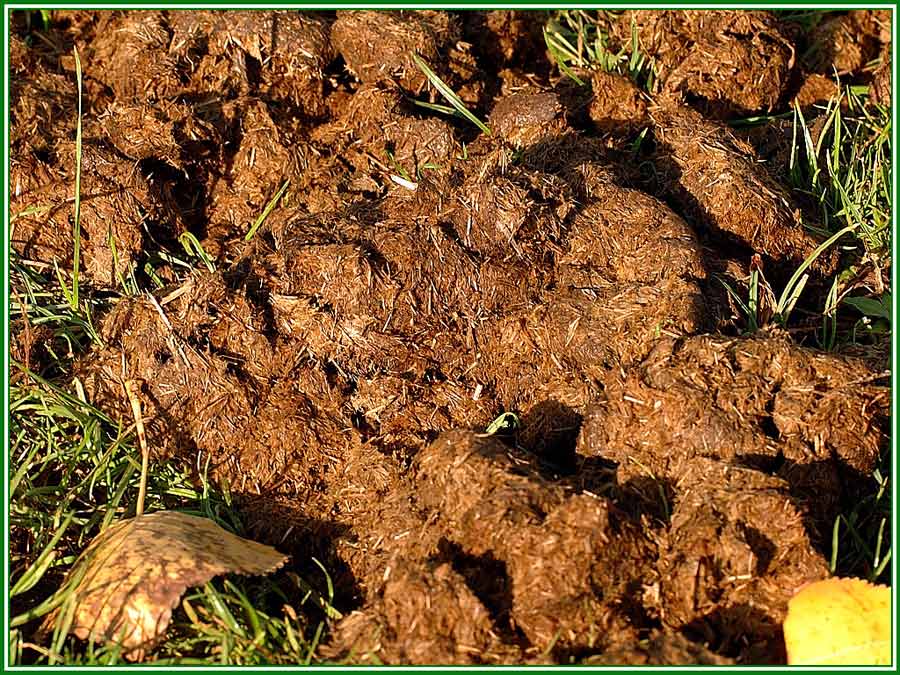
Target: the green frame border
(457, 5)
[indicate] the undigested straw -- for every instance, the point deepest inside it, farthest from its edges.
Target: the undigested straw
(131, 390)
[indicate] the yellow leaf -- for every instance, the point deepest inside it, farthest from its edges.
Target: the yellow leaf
(839, 622)
(132, 575)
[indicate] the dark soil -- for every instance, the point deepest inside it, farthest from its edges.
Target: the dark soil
(669, 487)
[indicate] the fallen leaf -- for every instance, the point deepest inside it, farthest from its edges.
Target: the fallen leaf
(839, 622)
(132, 575)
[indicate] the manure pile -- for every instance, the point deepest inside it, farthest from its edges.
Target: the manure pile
(670, 482)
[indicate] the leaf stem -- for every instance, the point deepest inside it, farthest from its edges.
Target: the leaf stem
(76, 256)
(131, 390)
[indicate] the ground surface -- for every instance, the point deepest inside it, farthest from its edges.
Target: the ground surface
(672, 476)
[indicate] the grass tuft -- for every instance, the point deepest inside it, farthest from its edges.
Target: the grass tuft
(74, 471)
(844, 164)
(576, 39)
(75, 474)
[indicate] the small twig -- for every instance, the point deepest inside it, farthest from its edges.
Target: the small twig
(131, 390)
(177, 293)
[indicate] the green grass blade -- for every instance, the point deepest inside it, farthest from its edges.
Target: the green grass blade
(328, 583)
(217, 603)
(636, 60)
(314, 644)
(40, 566)
(829, 319)
(449, 94)
(789, 293)
(250, 612)
(881, 567)
(63, 624)
(266, 211)
(753, 298)
(560, 58)
(116, 498)
(315, 596)
(193, 247)
(444, 109)
(792, 298)
(751, 316)
(835, 544)
(64, 395)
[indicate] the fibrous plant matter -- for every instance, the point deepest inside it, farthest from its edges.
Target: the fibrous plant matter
(845, 43)
(718, 182)
(391, 40)
(493, 384)
(731, 62)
